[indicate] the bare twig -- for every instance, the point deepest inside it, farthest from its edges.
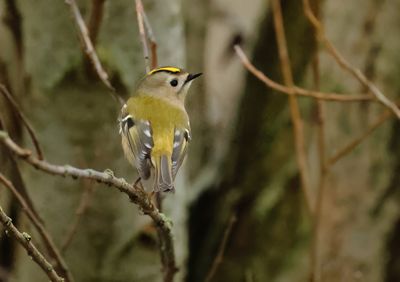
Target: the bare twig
(25, 240)
(151, 38)
(221, 250)
(293, 103)
(84, 203)
(23, 119)
(48, 241)
(142, 32)
(136, 195)
(345, 64)
(315, 274)
(21, 185)
(358, 140)
(95, 19)
(90, 50)
(93, 26)
(13, 20)
(335, 97)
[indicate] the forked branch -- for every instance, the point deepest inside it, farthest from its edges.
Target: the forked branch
(23, 119)
(135, 194)
(146, 36)
(344, 64)
(90, 50)
(334, 97)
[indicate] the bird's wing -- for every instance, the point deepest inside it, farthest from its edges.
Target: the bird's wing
(181, 141)
(138, 134)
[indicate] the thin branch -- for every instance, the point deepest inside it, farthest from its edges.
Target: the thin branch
(346, 65)
(136, 195)
(25, 240)
(146, 36)
(95, 20)
(323, 170)
(93, 26)
(358, 140)
(143, 38)
(48, 241)
(21, 185)
(23, 119)
(90, 50)
(293, 103)
(83, 205)
(335, 97)
(151, 38)
(221, 250)
(13, 20)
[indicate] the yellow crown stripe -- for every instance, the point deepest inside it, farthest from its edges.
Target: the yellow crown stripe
(169, 69)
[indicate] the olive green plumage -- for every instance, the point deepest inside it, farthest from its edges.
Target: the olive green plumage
(155, 126)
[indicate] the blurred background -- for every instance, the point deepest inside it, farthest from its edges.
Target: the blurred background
(241, 162)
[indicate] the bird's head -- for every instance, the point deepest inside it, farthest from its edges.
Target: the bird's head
(168, 82)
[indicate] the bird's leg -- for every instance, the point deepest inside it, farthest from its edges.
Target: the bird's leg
(158, 201)
(138, 183)
(153, 197)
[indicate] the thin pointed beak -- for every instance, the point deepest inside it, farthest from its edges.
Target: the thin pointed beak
(192, 76)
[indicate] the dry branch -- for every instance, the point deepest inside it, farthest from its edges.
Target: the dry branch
(358, 140)
(334, 97)
(151, 38)
(90, 50)
(135, 194)
(320, 33)
(93, 25)
(23, 119)
(95, 19)
(221, 250)
(21, 187)
(143, 39)
(146, 34)
(25, 240)
(293, 103)
(48, 241)
(83, 205)
(323, 171)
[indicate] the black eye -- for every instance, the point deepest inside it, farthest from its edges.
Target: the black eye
(174, 82)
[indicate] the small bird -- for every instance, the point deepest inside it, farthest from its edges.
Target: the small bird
(155, 128)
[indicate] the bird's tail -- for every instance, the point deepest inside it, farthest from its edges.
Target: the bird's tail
(163, 175)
